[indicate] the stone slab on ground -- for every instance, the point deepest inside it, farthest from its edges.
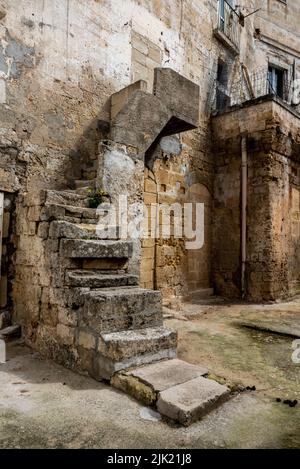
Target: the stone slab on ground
(265, 325)
(145, 383)
(190, 401)
(164, 375)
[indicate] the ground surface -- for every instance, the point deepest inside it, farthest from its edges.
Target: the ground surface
(44, 405)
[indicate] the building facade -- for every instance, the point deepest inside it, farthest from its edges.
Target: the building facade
(212, 118)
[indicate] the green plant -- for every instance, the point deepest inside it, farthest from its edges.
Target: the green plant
(97, 197)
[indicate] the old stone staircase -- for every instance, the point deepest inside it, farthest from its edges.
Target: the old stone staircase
(90, 313)
(118, 324)
(107, 325)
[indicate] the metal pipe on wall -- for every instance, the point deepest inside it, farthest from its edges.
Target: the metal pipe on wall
(244, 188)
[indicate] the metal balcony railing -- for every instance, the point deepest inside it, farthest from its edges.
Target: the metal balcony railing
(229, 22)
(246, 87)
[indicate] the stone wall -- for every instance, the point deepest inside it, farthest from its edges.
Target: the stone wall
(61, 61)
(272, 266)
(166, 263)
(7, 253)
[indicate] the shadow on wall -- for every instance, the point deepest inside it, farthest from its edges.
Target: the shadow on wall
(83, 161)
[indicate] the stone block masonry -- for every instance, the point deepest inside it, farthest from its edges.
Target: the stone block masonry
(273, 262)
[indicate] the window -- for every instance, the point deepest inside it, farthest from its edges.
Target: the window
(222, 73)
(222, 11)
(277, 81)
(222, 98)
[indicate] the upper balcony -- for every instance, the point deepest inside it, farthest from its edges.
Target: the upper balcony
(245, 87)
(228, 27)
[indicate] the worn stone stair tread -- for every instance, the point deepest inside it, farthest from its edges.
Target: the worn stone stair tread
(166, 374)
(131, 348)
(94, 279)
(190, 401)
(124, 291)
(124, 344)
(106, 310)
(84, 212)
(66, 197)
(86, 248)
(81, 230)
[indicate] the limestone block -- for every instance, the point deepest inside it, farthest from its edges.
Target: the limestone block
(118, 346)
(190, 401)
(94, 279)
(166, 374)
(86, 340)
(43, 230)
(139, 43)
(66, 334)
(67, 316)
(34, 213)
(150, 186)
(180, 95)
(79, 248)
(121, 309)
(118, 100)
(140, 121)
(154, 53)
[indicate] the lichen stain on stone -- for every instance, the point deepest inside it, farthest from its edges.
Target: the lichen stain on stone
(21, 55)
(3, 63)
(28, 22)
(134, 387)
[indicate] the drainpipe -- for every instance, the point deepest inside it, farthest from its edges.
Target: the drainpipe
(1, 224)
(244, 183)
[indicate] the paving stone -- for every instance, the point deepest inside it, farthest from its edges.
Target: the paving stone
(166, 374)
(190, 401)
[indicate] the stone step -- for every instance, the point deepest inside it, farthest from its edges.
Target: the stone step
(146, 382)
(81, 183)
(66, 197)
(121, 309)
(65, 229)
(190, 401)
(69, 213)
(95, 249)
(201, 294)
(84, 190)
(96, 279)
(121, 350)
